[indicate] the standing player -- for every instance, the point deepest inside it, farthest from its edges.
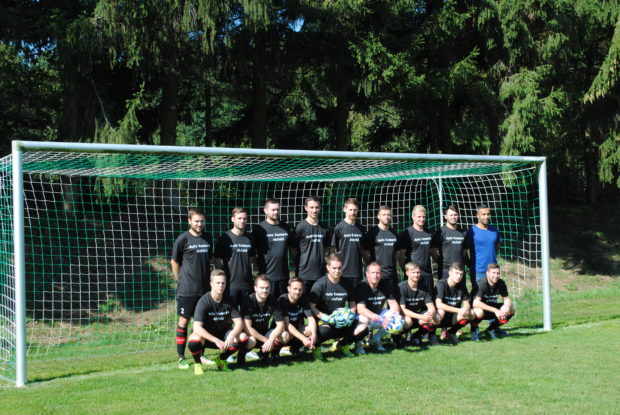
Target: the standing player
(453, 302)
(295, 308)
(347, 240)
(492, 303)
(312, 239)
(234, 253)
(370, 299)
(381, 245)
(482, 241)
(328, 294)
(191, 260)
(263, 321)
(217, 325)
(273, 239)
(448, 243)
(416, 305)
(415, 246)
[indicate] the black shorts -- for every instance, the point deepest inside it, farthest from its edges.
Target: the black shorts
(186, 306)
(446, 321)
(488, 315)
(222, 337)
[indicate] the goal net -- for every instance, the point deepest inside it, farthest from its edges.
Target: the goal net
(100, 223)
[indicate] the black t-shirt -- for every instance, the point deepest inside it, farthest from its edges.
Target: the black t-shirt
(193, 253)
(414, 300)
(383, 245)
(295, 312)
(372, 298)
(311, 242)
(272, 243)
(492, 295)
(216, 318)
(417, 245)
(236, 251)
(328, 296)
(451, 296)
(348, 241)
(451, 245)
(263, 315)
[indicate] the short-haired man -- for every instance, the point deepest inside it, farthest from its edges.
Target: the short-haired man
(312, 238)
(234, 253)
(273, 239)
(453, 302)
(217, 325)
(415, 246)
(347, 240)
(191, 262)
(296, 309)
(448, 242)
(328, 294)
(370, 298)
(263, 321)
(416, 305)
(482, 241)
(381, 245)
(492, 303)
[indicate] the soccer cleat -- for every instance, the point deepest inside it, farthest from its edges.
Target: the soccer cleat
(444, 334)
(475, 335)
(432, 339)
(198, 369)
(231, 359)
(359, 348)
(335, 347)
(416, 341)
(317, 354)
(206, 361)
(501, 333)
(222, 364)
(252, 356)
(345, 350)
(379, 348)
(183, 363)
(452, 339)
(285, 351)
(491, 334)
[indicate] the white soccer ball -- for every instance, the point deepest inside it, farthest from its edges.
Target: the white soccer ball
(395, 324)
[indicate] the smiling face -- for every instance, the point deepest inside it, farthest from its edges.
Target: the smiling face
(312, 209)
(484, 216)
(272, 212)
(385, 217)
(373, 274)
(295, 290)
(419, 218)
(413, 273)
(239, 221)
(452, 217)
(196, 224)
(493, 275)
(350, 212)
(261, 287)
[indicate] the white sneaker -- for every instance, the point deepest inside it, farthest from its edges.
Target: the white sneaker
(285, 351)
(206, 361)
(251, 356)
(231, 359)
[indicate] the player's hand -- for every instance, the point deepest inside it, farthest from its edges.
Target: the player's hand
(308, 342)
(228, 344)
(221, 345)
(267, 346)
(379, 319)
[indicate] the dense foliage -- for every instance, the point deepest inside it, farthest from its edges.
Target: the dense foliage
(516, 77)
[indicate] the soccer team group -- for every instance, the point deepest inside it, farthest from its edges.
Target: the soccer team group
(235, 312)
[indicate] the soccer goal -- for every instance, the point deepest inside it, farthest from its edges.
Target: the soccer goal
(87, 230)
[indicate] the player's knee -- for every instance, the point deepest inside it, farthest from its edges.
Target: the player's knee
(195, 346)
(478, 313)
(285, 337)
(408, 322)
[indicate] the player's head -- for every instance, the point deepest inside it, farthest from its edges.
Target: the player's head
(261, 287)
(312, 206)
(218, 281)
(196, 220)
(418, 214)
(373, 273)
(456, 272)
(334, 266)
(272, 209)
(295, 288)
(384, 214)
(483, 213)
(350, 208)
(412, 270)
(451, 215)
(493, 273)
(239, 218)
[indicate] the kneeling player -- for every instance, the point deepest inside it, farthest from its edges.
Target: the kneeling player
(263, 322)
(328, 294)
(487, 304)
(453, 302)
(370, 298)
(416, 305)
(294, 308)
(217, 325)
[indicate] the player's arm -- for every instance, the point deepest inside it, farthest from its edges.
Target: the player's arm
(400, 257)
(393, 305)
(445, 307)
(234, 333)
(176, 268)
(313, 331)
(199, 329)
(294, 332)
(362, 310)
(318, 314)
(275, 333)
(251, 331)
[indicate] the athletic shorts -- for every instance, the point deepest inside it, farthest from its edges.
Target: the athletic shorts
(222, 337)
(488, 315)
(186, 306)
(446, 321)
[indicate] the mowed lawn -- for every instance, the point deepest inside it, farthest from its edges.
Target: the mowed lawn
(573, 369)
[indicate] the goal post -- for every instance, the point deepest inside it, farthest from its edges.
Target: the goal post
(86, 230)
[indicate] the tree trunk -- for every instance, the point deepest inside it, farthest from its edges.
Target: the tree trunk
(342, 115)
(169, 109)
